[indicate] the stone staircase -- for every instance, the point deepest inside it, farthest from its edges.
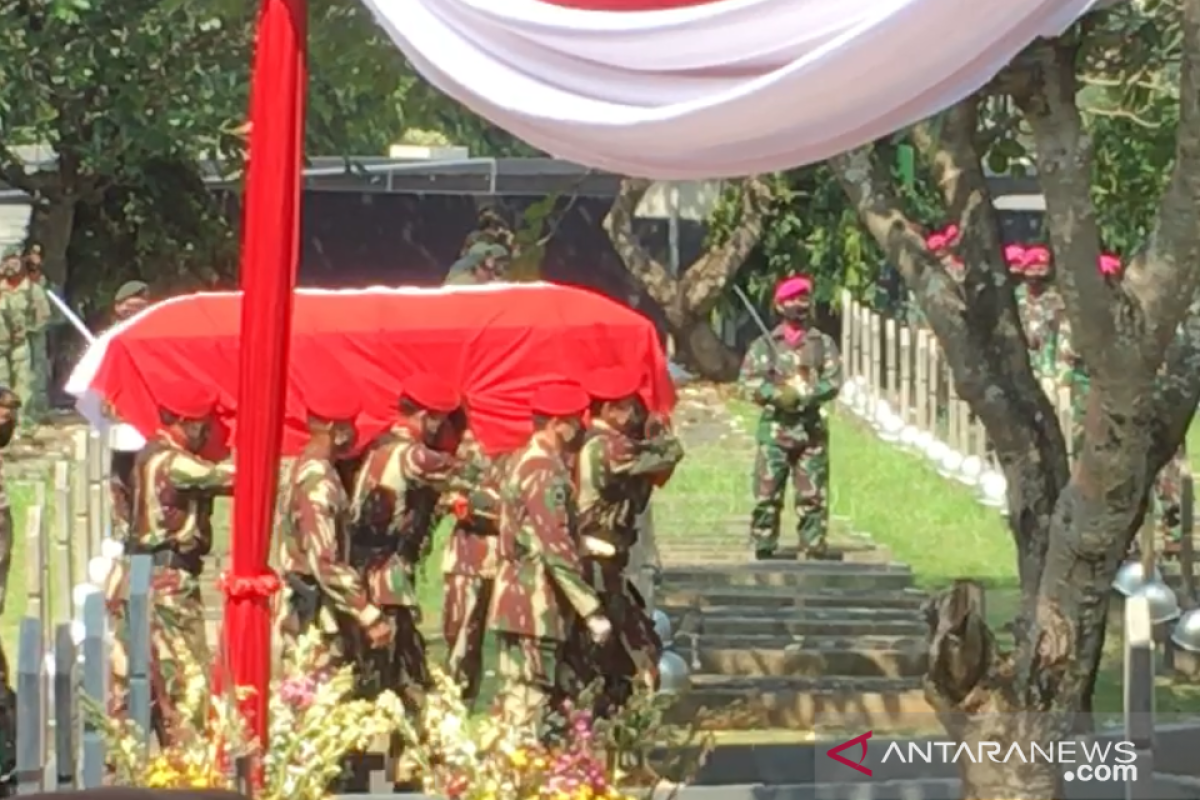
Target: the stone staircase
(795, 644)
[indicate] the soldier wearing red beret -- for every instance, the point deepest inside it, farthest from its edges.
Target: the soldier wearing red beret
(792, 372)
(322, 588)
(173, 487)
(540, 592)
(394, 501)
(618, 468)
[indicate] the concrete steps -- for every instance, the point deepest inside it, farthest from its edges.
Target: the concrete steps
(796, 644)
(804, 661)
(804, 703)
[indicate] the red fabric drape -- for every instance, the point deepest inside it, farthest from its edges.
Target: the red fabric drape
(270, 249)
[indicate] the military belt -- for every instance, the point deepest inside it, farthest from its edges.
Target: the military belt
(168, 557)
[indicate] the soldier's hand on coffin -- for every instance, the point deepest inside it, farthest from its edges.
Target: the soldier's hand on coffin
(599, 628)
(380, 633)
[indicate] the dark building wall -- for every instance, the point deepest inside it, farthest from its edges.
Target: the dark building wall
(354, 240)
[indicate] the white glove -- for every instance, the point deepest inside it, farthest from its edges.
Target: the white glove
(600, 628)
(598, 547)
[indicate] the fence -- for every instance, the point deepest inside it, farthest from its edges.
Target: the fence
(898, 380)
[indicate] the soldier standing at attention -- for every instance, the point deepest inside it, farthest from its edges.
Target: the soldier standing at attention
(792, 372)
(16, 304)
(619, 466)
(42, 310)
(469, 570)
(1041, 310)
(131, 297)
(10, 407)
(482, 263)
(322, 589)
(540, 592)
(172, 485)
(395, 499)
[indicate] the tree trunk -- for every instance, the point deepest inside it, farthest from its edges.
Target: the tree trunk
(701, 351)
(50, 226)
(987, 780)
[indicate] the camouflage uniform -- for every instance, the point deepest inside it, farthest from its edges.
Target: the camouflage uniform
(8, 699)
(1073, 373)
(791, 382)
(466, 271)
(540, 591)
(1168, 500)
(1041, 315)
(322, 589)
(469, 568)
(23, 319)
(616, 478)
(172, 522)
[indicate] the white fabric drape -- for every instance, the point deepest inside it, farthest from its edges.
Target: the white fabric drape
(731, 88)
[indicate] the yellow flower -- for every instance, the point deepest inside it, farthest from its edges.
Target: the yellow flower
(519, 758)
(540, 763)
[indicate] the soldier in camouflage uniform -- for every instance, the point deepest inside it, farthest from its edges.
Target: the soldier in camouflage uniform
(483, 262)
(10, 407)
(395, 498)
(469, 569)
(173, 490)
(26, 312)
(541, 593)
(625, 456)
(1041, 310)
(322, 589)
(131, 298)
(1168, 502)
(39, 291)
(792, 372)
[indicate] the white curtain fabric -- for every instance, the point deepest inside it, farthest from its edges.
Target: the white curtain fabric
(730, 88)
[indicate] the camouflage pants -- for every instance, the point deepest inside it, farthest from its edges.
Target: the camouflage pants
(529, 690)
(16, 372)
(39, 399)
(1168, 498)
(464, 623)
(808, 466)
(401, 668)
(8, 724)
(6, 550)
(631, 654)
(178, 643)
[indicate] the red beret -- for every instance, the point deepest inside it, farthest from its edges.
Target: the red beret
(431, 392)
(331, 403)
(187, 400)
(615, 383)
(561, 399)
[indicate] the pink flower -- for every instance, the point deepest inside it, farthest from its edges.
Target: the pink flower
(1014, 256)
(1110, 265)
(299, 692)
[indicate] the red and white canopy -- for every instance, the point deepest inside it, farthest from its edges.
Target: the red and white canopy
(689, 89)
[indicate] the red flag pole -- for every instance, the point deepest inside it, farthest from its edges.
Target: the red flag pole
(270, 252)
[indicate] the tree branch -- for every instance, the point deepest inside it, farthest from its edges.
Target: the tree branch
(704, 281)
(985, 349)
(1064, 163)
(1166, 277)
(651, 273)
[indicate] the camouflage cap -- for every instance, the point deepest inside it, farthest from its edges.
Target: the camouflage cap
(484, 250)
(129, 290)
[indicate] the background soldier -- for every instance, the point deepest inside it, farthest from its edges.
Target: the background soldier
(131, 297)
(172, 486)
(395, 497)
(618, 468)
(540, 591)
(792, 372)
(10, 407)
(40, 302)
(322, 588)
(469, 570)
(1040, 308)
(16, 305)
(483, 262)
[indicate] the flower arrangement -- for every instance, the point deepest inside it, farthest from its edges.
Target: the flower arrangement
(314, 723)
(465, 758)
